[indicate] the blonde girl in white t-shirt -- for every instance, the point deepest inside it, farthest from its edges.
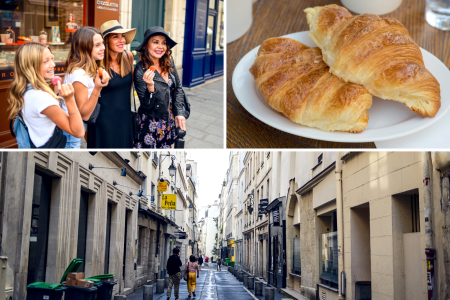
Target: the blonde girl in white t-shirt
(82, 71)
(40, 106)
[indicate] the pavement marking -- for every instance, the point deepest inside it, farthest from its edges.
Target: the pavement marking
(254, 297)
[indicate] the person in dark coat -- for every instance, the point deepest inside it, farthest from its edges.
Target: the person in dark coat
(173, 268)
(200, 262)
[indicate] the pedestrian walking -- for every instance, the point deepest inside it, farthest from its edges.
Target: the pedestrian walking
(200, 262)
(193, 273)
(173, 268)
(82, 71)
(40, 118)
(113, 127)
(160, 93)
(219, 261)
(212, 259)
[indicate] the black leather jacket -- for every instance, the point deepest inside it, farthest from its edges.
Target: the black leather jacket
(156, 104)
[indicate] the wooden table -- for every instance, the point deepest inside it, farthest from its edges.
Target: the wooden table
(272, 18)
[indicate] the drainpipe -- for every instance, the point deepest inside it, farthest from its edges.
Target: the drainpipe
(429, 250)
(340, 225)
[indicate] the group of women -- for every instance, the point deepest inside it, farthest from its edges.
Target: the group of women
(97, 91)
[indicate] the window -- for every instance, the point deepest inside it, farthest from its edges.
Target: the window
(108, 237)
(319, 159)
(268, 189)
(51, 21)
(328, 263)
(220, 40)
(296, 267)
(82, 228)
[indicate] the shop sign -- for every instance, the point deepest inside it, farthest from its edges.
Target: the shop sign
(276, 216)
(262, 205)
(105, 10)
(169, 201)
(162, 186)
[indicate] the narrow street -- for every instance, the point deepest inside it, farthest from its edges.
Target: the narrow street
(211, 284)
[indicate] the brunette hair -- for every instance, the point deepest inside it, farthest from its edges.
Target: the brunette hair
(192, 258)
(27, 69)
(164, 62)
(123, 59)
(80, 55)
(175, 251)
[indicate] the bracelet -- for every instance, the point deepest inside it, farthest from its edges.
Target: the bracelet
(99, 95)
(74, 112)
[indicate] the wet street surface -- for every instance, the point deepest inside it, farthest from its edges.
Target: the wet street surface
(212, 284)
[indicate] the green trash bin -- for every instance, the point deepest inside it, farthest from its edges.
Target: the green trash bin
(106, 287)
(227, 261)
(232, 264)
(42, 290)
(77, 292)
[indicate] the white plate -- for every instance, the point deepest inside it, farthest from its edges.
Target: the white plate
(387, 119)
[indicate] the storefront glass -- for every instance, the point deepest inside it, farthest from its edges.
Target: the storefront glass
(50, 22)
(329, 259)
(209, 38)
(220, 40)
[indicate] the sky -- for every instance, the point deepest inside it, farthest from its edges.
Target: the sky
(211, 168)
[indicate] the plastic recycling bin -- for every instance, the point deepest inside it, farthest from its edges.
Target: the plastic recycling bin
(105, 290)
(81, 293)
(38, 293)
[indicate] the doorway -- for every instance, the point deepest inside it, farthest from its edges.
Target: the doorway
(40, 216)
(82, 229)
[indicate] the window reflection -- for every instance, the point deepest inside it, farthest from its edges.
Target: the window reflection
(209, 38)
(220, 40)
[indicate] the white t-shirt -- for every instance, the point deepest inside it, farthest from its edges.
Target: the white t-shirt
(80, 76)
(40, 127)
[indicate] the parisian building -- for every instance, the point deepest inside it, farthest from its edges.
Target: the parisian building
(103, 207)
(343, 225)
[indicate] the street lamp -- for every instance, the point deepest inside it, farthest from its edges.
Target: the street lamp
(123, 173)
(172, 170)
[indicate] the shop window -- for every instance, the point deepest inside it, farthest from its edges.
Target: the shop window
(212, 4)
(52, 22)
(209, 38)
(296, 267)
(220, 40)
(329, 259)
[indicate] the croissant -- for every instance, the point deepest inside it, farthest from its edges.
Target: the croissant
(376, 53)
(295, 81)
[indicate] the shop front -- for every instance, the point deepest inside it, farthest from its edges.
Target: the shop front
(204, 41)
(51, 22)
(277, 270)
(230, 250)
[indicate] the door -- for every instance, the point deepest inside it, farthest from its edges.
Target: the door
(40, 217)
(82, 229)
(145, 15)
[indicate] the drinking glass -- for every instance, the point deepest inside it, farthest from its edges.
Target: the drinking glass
(437, 13)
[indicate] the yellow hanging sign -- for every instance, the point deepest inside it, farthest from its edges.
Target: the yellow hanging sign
(162, 186)
(169, 201)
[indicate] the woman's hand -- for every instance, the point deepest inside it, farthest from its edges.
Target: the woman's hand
(181, 122)
(148, 78)
(101, 82)
(66, 91)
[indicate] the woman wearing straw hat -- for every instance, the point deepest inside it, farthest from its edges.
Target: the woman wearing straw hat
(113, 127)
(159, 89)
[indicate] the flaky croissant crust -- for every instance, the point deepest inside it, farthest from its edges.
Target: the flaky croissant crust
(376, 53)
(295, 81)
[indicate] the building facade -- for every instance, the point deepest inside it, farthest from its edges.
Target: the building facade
(75, 206)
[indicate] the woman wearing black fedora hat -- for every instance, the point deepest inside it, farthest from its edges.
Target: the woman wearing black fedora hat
(113, 126)
(159, 89)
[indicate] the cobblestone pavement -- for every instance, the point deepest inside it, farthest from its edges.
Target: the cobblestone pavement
(204, 128)
(212, 284)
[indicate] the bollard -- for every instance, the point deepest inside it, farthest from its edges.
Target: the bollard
(166, 281)
(160, 286)
(241, 276)
(270, 293)
(245, 277)
(251, 282)
(148, 292)
(258, 288)
(120, 297)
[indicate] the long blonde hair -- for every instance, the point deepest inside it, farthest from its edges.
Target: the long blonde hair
(80, 54)
(122, 58)
(27, 69)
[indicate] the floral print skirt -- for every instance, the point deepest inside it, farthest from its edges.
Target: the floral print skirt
(156, 133)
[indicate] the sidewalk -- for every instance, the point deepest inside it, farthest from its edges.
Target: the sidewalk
(204, 128)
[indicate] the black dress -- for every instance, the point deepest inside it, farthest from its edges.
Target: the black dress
(113, 128)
